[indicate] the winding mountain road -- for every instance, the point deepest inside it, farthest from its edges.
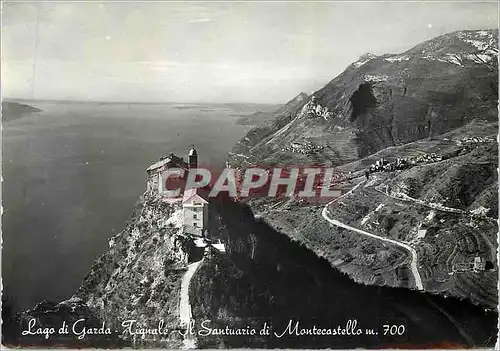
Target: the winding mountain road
(404, 197)
(411, 250)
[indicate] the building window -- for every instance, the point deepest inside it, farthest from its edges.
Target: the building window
(195, 216)
(195, 225)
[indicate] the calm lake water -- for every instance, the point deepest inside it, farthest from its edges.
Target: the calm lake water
(72, 174)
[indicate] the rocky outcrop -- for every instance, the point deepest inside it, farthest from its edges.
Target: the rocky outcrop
(69, 323)
(137, 279)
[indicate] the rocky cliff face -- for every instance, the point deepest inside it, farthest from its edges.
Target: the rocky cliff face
(382, 101)
(137, 278)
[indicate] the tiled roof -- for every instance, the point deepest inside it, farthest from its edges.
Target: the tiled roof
(189, 193)
(159, 164)
(178, 161)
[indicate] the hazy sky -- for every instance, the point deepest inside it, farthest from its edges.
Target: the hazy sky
(208, 51)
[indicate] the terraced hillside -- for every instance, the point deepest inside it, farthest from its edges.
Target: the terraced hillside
(446, 210)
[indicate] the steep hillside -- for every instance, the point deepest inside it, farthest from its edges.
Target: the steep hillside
(264, 277)
(443, 204)
(381, 101)
(276, 121)
(432, 109)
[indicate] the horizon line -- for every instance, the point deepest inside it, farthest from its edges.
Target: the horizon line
(11, 99)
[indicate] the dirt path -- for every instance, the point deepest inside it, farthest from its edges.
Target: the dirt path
(184, 305)
(414, 258)
(404, 197)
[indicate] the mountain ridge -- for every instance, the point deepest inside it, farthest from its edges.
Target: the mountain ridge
(386, 100)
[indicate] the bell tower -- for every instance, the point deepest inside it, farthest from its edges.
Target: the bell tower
(193, 158)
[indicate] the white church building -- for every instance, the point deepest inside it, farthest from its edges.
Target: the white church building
(195, 212)
(194, 201)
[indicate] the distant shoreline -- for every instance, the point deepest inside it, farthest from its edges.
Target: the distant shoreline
(12, 110)
(183, 104)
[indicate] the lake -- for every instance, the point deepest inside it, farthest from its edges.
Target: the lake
(73, 172)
